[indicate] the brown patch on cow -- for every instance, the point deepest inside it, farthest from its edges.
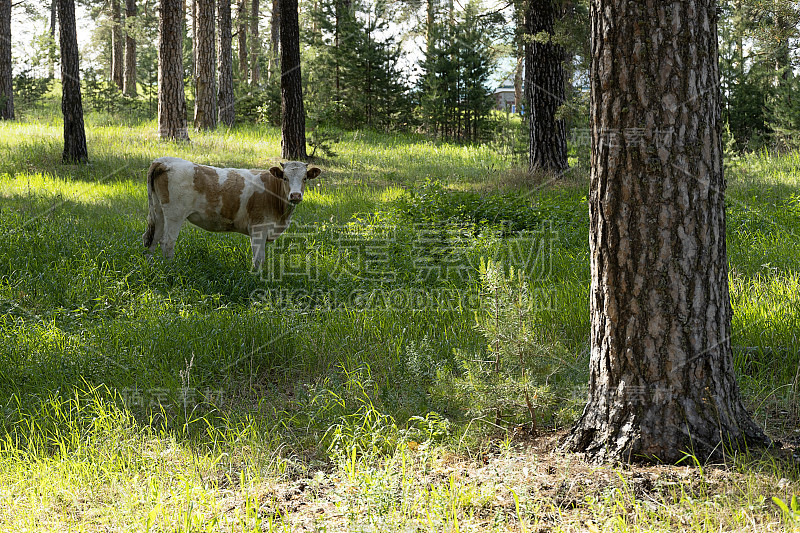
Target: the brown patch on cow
(206, 183)
(313, 173)
(157, 175)
(231, 194)
(272, 203)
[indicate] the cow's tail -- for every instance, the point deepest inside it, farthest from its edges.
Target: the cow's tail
(156, 169)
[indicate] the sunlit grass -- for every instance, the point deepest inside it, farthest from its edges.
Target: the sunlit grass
(198, 396)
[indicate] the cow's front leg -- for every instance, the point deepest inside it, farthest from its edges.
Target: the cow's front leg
(259, 234)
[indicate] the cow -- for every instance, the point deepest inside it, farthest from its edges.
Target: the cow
(257, 203)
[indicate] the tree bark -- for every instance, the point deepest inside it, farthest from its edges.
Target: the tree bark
(6, 70)
(255, 44)
(129, 83)
(662, 382)
(293, 118)
(275, 39)
(171, 96)
(227, 114)
(51, 54)
(117, 58)
(241, 20)
(71, 105)
(205, 104)
(544, 88)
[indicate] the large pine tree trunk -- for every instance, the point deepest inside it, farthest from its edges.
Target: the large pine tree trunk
(293, 118)
(241, 35)
(171, 97)
(255, 43)
(205, 104)
(117, 44)
(275, 39)
(71, 106)
(129, 83)
(227, 114)
(6, 71)
(661, 374)
(544, 88)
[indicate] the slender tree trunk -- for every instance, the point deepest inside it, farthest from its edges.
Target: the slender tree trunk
(275, 40)
(241, 34)
(544, 89)
(171, 96)
(129, 85)
(205, 104)
(6, 70)
(71, 106)
(117, 44)
(255, 43)
(227, 114)
(293, 118)
(662, 382)
(194, 46)
(51, 55)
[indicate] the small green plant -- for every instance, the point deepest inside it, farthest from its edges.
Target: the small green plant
(790, 511)
(510, 378)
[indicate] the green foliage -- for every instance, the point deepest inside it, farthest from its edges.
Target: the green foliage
(261, 105)
(508, 212)
(511, 377)
(353, 77)
(792, 514)
(454, 97)
(758, 57)
(30, 90)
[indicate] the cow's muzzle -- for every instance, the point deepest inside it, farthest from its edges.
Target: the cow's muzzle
(296, 197)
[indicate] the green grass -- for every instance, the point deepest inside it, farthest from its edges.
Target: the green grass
(194, 395)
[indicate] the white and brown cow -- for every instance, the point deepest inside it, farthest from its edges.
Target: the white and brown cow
(258, 203)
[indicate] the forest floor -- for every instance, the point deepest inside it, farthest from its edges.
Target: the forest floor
(353, 384)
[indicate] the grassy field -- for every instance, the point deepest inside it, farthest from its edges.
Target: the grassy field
(370, 377)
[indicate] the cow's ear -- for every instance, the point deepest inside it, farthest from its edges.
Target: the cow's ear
(313, 173)
(277, 172)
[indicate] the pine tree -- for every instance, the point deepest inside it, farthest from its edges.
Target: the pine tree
(71, 106)
(171, 96)
(6, 72)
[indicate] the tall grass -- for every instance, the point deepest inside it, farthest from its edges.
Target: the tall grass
(176, 395)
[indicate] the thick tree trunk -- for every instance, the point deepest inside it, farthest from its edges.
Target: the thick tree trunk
(293, 118)
(71, 106)
(275, 39)
(205, 104)
(661, 383)
(117, 44)
(255, 43)
(129, 83)
(241, 34)
(171, 96)
(6, 70)
(544, 89)
(227, 114)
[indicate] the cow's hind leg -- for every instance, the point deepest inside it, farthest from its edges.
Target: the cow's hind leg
(154, 233)
(171, 228)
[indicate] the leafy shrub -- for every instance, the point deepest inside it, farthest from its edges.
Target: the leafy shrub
(513, 212)
(29, 90)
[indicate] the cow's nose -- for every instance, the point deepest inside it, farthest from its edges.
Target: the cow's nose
(296, 197)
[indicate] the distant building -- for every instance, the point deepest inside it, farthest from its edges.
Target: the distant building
(505, 99)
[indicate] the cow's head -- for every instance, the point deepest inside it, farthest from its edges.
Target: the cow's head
(295, 174)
